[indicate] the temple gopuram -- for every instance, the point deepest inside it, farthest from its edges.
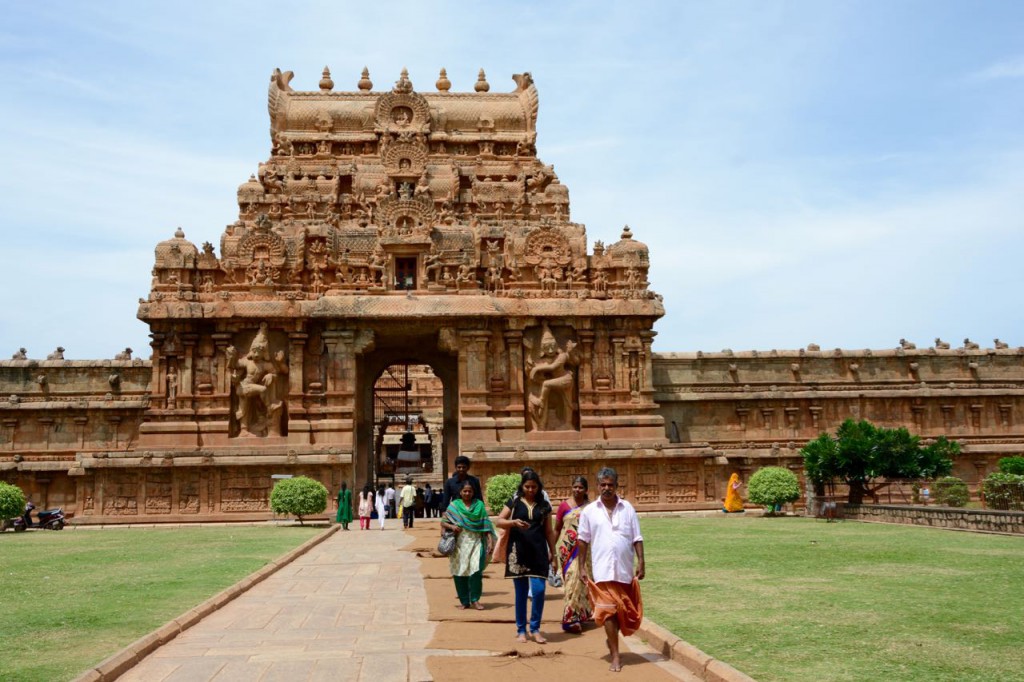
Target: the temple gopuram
(404, 284)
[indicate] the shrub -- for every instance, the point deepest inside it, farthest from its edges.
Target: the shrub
(299, 496)
(1004, 491)
(12, 501)
(773, 487)
(1012, 465)
(500, 489)
(950, 491)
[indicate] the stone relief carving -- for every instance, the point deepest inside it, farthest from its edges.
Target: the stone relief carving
(259, 387)
(551, 380)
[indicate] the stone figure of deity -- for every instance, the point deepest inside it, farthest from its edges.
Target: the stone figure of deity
(260, 385)
(551, 382)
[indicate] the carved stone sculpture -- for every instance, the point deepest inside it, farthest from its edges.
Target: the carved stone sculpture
(126, 354)
(22, 354)
(57, 354)
(259, 384)
(551, 381)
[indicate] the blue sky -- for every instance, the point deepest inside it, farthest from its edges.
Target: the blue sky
(842, 173)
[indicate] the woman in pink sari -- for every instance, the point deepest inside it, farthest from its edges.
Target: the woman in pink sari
(577, 608)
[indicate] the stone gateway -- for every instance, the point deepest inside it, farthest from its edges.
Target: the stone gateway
(407, 228)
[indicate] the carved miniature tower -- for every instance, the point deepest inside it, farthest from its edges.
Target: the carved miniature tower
(401, 225)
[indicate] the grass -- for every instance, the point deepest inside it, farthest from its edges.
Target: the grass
(70, 599)
(798, 600)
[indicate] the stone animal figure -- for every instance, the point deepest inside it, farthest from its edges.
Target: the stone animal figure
(57, 354)
(907, 345)
(22, 354)
(940, 344)
(126, 354)
(1000, 345)
(970, 345)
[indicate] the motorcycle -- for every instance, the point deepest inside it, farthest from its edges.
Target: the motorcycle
(49, 519)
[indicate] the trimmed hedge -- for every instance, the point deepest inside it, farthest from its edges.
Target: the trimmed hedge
(950, 491)
(500, 489)
(1012, 465)
(1004, 491)
(773, 487)
(299, 496)
(12, 501)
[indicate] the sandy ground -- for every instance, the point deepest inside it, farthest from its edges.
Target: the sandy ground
(565, 656)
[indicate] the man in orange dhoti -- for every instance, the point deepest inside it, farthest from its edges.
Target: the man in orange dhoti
(609, 531)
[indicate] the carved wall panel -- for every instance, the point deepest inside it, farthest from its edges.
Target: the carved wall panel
(647, 481)
(189, 483)
(120, 493)
(242, 490)
(680, 483)
(158, 491)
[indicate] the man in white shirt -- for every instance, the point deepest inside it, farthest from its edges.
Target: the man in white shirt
(609, 531)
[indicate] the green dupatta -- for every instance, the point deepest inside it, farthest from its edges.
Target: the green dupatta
(473, 518)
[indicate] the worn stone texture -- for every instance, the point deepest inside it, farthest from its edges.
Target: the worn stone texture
(396, 226)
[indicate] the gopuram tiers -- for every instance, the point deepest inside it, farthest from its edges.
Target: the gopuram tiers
(392, 226)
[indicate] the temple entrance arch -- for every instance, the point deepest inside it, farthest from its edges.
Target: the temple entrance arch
(382, 413)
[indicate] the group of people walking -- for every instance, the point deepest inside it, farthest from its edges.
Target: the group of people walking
(595, 547)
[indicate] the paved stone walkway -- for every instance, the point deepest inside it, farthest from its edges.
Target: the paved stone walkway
(353, 608)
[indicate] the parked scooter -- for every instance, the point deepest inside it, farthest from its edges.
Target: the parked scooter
(49, 519)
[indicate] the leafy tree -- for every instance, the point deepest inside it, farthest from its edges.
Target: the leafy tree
(1011, 465)
(299, 496)
(499, 490)
(12, 501)
(1004, 491)
(860, 452)
(772, 487)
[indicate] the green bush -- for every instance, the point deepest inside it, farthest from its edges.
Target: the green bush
(773, 487)
(500, 489)
(950, 491)
(1012, 465)
(12, 501)
(1004, 491)
(299, 496)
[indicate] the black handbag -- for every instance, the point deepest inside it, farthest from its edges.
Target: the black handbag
(446, 545)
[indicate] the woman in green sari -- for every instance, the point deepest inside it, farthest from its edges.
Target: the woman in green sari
(344, 516)
(474, 540)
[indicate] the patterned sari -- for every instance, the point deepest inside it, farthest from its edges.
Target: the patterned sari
(578, 609)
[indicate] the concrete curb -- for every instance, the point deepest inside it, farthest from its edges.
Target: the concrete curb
(687, 655)
(124, 660)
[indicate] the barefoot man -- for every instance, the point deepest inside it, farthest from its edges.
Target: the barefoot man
(610, 531)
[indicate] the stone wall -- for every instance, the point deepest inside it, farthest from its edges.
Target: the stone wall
(984, 520)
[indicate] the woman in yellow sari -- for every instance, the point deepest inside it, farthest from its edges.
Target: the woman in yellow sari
(733, 501)
(577, 608)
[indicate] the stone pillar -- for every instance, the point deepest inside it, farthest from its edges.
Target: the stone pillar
(619, 363)
(222, 382)
(586, 373)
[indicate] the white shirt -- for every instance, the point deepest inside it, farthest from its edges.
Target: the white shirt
(389, 495)
(611, 539)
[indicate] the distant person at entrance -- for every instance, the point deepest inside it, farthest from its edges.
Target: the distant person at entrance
(407, 501)
(428, 501)
(380, 504)
(466, 516)
(733, 501)
(609, 534)
(344, 506)
(365, 507)
(389, 498)
(454, 484)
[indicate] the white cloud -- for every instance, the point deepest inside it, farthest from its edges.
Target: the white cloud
(1007, 68)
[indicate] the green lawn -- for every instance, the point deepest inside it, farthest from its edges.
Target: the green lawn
(70, 599)
(793, 599)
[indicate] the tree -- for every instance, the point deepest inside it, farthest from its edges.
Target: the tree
(12, 501)
(860, 452)
(773, 487)
(299, 496)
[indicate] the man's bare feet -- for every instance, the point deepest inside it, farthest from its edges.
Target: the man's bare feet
(521, 638)
(461, 607)
(615, 667)
(477, 605)
(539, 638)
